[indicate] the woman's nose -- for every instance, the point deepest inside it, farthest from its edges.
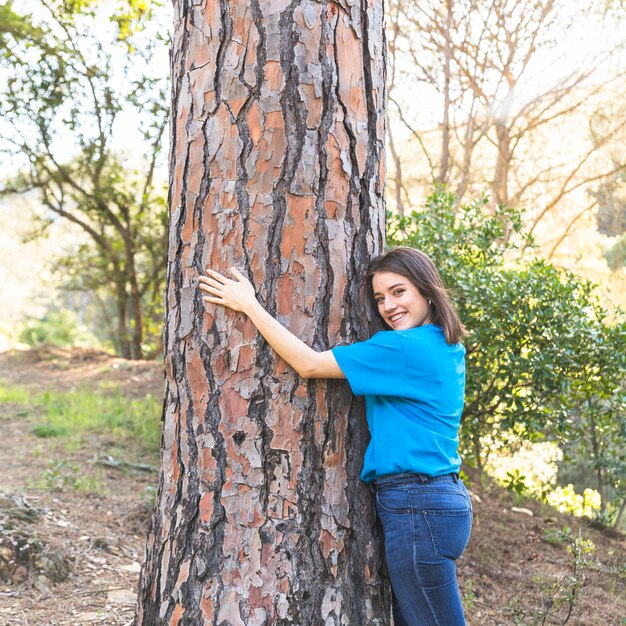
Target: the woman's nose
(389, 304)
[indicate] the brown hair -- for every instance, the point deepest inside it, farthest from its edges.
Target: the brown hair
(421, 271)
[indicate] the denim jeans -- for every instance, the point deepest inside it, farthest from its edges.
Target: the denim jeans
(427, 522)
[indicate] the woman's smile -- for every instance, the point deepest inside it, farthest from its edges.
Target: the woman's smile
(396, 317)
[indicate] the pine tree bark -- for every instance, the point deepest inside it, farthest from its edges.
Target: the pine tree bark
(277, 167)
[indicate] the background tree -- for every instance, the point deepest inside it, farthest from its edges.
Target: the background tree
(514, 91)
(69, 79)
(277, 167)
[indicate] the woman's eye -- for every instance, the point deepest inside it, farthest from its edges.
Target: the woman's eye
(398, 292)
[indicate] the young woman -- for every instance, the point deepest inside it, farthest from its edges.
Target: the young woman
(413, 380)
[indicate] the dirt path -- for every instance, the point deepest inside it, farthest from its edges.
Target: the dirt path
(94, 541)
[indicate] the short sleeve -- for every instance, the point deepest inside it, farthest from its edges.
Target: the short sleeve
(376, 367)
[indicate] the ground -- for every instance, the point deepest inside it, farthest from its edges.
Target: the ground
(100, 536)
(520, 564)
(517, 566)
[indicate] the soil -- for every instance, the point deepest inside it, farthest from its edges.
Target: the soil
(87, 548)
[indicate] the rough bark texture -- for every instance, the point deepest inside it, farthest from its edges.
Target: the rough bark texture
(276, 167)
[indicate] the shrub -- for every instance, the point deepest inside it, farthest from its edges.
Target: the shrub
(57, 328)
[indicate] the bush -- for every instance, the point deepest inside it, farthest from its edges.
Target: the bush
(58, 328)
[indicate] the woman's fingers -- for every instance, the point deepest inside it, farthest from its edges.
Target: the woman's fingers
(237, 274)
(215, 275)
(235, 292)
(212, 289)
(207, 280)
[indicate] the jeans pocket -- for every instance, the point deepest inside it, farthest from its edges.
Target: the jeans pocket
(449, 531)
(393, 501)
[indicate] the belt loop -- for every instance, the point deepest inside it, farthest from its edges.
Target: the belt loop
(423, 478)
(455, 477)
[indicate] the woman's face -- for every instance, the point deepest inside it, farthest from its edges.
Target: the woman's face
(399, 302)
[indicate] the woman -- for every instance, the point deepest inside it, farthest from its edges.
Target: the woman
(413, 380)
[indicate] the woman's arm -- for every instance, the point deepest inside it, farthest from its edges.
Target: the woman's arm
(238, 294)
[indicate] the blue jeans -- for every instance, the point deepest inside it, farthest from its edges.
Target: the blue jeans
(427, 522)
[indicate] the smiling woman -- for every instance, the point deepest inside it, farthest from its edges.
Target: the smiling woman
(413, 381)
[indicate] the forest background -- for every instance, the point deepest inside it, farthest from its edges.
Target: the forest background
(505, 135)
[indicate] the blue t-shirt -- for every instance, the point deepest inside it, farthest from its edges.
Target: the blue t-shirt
(413, 383)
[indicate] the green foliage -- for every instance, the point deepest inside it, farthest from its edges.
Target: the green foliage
(562, 593)
(566, 500)
(556, 537)
(616, 255)
(541, 359)
(59, 475)
(58, 328)
(559, 593)
(14, 395)
(469, 595)
(131, 17)
(150, 495)
(597, 427)
(465, 479)
(46, 431)
(515, 607)
(515, 482)
(82, 412)
(530, 469)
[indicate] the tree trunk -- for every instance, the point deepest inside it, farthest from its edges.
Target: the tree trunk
(500, 185)
(277, 168)
(620, 513)
(477, 446)
(122, 327)
(135, 303)
(595, 448)
(397, 173)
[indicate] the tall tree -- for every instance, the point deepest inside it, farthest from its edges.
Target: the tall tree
(277, 167)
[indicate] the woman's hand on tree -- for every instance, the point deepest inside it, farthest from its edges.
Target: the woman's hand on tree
(237, 293)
